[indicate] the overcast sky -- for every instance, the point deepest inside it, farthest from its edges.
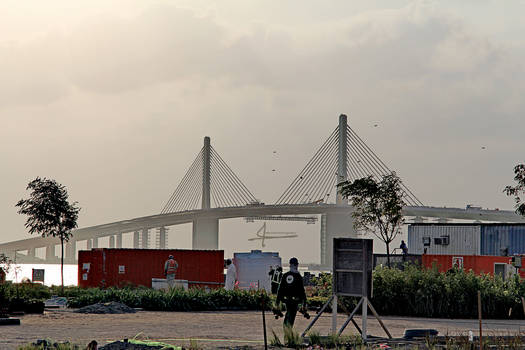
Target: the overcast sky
(113, 99)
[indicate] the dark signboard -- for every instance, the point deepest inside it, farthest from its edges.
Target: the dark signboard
(353, 264)
(38, 275)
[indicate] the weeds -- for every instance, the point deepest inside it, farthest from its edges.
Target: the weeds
(292, 339)
(314, 338)
(194, 345)
(275, 341)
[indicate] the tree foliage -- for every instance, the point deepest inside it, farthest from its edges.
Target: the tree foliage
(49, 212)
(519, 189)
(377, 206)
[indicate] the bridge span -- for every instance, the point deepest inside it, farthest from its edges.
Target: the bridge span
(143, 225)
(210, 191)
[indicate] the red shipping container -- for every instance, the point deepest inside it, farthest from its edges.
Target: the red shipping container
(102, 267)
(479, 264)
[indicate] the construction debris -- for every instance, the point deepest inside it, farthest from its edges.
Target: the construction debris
(106, 308)
(138, 345)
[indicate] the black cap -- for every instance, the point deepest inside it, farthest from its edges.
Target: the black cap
(294, 261)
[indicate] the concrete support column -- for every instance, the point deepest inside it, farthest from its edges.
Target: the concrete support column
(89, 244)
(145, 239)
(342, 156)
(136, 239)
(31, 252)
(338, 225)
(119, 240)
(50, 252)
(205, 234)
(112, 241)
(162, 237)
(206, 178)
(95, 242)
(71, 248)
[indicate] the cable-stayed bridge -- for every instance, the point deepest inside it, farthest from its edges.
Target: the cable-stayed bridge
(210, 191)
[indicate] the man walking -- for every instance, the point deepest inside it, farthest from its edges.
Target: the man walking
(170, 268)
(291, 293)
(231, 275)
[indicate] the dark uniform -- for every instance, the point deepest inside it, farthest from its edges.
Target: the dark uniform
(291, 293)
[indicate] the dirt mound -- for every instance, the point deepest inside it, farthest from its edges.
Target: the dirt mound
(106, 308)
(119, 345)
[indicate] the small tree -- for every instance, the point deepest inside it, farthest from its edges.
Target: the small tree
(519, 189)
(377, 206)
(49, 212)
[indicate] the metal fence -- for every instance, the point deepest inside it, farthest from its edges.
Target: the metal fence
(397, 260)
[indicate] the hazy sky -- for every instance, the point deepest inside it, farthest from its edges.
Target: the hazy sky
(113, 99)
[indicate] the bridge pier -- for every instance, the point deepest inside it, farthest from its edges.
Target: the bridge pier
(112, 241)
(119, 240)
(205, 234)
(162, 237)
(340, 225)
(95, 242)
(89, 243)
(50, 252)
(70, 250)
(136, 239)
(145, 239)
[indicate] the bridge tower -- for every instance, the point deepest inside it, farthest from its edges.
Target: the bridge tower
(209, 183)
(336, 225)
(205, 233)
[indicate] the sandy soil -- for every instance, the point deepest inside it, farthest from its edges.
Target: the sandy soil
(211, 329)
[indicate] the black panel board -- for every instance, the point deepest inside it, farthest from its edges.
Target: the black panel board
(352, 266)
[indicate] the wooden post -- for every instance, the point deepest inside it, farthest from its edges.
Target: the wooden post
(264, 323)
(334, 314)
(480, 327)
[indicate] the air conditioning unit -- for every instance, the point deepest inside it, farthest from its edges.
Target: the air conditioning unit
(426, 241)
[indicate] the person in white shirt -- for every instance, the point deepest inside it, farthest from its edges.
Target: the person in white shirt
(231, 275)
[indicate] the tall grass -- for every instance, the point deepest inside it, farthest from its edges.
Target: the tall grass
(429, 293)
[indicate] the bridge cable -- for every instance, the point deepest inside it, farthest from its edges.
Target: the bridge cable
(181, 188)
(242, 190)
(285, 197)
(380, 168)
(291, 191)
(297, 195)
(331, 179)
(221, 182)
(302, 189)
(324, 172)
(216, 181)
(231, 183)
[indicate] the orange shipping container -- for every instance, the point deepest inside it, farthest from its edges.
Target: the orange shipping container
(479, 264)
(104, 267)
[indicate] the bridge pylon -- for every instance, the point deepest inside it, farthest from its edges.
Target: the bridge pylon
(208, 183)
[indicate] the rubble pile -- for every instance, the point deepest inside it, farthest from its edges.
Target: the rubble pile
(106, 308)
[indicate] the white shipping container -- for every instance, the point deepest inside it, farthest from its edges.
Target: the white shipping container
(253, 268)
(444, 239)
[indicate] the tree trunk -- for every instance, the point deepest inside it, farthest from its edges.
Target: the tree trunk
(62, 264)
(388, 254)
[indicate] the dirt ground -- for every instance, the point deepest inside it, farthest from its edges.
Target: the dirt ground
(211, 330)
